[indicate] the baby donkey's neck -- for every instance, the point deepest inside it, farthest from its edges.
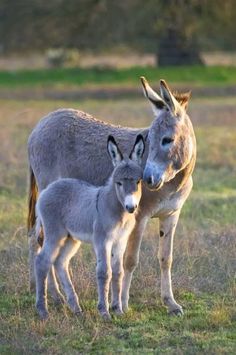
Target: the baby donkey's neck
(108, 202)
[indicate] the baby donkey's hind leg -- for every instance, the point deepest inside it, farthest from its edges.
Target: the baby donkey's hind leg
(61, 264)
(103, 273)
(53, 288)
(43, 262)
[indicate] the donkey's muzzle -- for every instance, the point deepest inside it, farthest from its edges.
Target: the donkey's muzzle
(153, 183)
(130, 209)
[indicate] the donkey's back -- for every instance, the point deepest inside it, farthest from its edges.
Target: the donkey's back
(62, 145)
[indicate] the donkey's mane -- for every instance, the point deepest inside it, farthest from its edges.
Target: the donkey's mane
(182, 98)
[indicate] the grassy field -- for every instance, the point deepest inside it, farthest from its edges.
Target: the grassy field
(204, 254)
(198, 75)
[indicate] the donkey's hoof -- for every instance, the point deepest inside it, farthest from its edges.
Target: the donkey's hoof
(117, 310)
(125, 307)
(106, 316)
(176, 312)
(79, 313)
(119, 313)
(58, 301)
(43, 315)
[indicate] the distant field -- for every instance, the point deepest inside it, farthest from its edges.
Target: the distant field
(204, 249)
(214, 75)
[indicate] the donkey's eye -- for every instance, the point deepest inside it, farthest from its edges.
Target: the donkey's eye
(167, 140)
(119, 183)
(138, 182)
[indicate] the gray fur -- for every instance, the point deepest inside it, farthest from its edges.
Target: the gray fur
(102, 216)
(70, 143)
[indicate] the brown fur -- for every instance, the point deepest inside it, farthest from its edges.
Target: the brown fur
(182, 98)
(32, 199)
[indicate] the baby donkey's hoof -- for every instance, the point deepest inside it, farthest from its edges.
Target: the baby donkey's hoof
(117, 310)
(105, 316)
(76, 309)
(43, 314)
(42, 311)
(176, 312)
(59, 301)
(79, 313)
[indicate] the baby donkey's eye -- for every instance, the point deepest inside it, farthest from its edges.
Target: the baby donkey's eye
(119, 183)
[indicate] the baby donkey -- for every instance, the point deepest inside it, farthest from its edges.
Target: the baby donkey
(103, 216)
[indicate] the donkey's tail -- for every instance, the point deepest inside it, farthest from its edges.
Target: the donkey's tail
(39, 229)
(32, 199)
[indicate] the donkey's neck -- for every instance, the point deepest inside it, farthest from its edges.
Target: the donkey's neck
(183, 176)
(108, 201)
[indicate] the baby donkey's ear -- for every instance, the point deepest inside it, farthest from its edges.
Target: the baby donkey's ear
(114, 151)
(138, 150)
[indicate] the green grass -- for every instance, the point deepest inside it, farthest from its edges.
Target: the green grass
(194, 75)
(207, 327)
(204, 249)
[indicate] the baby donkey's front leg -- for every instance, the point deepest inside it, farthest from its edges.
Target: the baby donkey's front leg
(117, 275)
(103, 273)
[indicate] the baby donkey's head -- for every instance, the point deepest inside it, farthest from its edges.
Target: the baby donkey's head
(128, 173)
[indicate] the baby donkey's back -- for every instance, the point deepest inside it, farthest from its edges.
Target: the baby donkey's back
(102, 216)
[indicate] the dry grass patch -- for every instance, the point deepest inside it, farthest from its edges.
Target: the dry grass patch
(204, 252)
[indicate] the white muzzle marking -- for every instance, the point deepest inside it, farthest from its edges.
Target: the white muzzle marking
(131, 203)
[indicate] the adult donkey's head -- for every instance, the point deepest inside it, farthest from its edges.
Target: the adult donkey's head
(171, 137)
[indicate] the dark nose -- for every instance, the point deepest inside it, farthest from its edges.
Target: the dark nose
(148, 177)
(131, 209)
(149, 180)
(153, 181)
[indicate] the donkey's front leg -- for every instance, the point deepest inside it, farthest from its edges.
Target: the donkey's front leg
(117, 257)
(104, 274)
(167, 230)
(131, 259)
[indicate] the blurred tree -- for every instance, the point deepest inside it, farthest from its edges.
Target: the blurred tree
(178, 44)
(176, 30)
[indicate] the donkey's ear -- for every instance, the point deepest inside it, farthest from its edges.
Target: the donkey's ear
(114, 151)
(138, 150)
(157, 102)
(169, 98)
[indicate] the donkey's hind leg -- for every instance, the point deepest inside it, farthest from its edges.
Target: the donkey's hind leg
(43, 262)
(53, 287)
(34, 248)
(61, 263)
(52, 284)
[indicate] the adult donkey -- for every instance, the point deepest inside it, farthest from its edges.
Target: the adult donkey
(70, 143)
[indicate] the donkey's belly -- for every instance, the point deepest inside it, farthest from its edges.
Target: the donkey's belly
(82, 236)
